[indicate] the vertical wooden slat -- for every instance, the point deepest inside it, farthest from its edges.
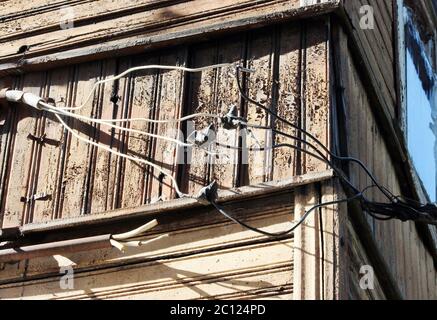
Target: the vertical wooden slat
(423, 272)
(363, 127)
(289, 101)
(139, 100)
(21, 158)
(77, 162)
(50, 158)
(7, 116)
(261, 52)
(122, 91)
(214, 91)
(168, 105)
(408, 259)
(35, 158)
(225, 166)
(370, 159)
(201, 99)
(414, 259)
(307, 280)
(316, 113)
(378, 171)
(101, 190)
(335, 262)
(388, 239)
(432, 279)
(400, 241)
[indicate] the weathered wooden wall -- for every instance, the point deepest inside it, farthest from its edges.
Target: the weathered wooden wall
(378, 44)
(204, 259)
(81, 179)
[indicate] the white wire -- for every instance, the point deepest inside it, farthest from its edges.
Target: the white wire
(120, 245)
(192, 116)
(109, 122)
(123, 156)
(189, 117)
(133, 233)
(161, 67)
(57, 111)
(51, 109)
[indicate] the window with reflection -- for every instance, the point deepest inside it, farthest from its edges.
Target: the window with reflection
(421, 104)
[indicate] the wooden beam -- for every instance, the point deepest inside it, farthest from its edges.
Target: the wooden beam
(320, 258)
(306, 247)
(224, 196)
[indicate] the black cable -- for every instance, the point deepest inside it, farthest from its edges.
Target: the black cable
(376, 217)
(387, 193)
(324, 158)
(365, 202)
(320, 157)
(284, 233)
(394, 209)
(276, 146)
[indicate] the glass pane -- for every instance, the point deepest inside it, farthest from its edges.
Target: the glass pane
(421, 138)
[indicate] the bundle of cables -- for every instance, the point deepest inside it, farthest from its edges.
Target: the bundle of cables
(396, 208)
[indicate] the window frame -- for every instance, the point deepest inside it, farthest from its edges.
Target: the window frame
(401, 71)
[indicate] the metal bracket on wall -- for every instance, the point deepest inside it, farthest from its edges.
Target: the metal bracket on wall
(42, 196)
(43, 140)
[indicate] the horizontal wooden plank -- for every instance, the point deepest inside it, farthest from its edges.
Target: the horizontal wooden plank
(232, 273)
(137, 23)
(188, 235)
(150, 29)
(22, 21)
(11, 8)
(224, 196)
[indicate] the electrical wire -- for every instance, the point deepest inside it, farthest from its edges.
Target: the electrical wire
(361, 194)
(273, 147)
(159, 67)
(103, 147)
(60, 110)
(395, 209)
(51, 109)
(108, 122)
(407, 210)
(123, 240)
(186, 118)
(321, 156)
(287, 232)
